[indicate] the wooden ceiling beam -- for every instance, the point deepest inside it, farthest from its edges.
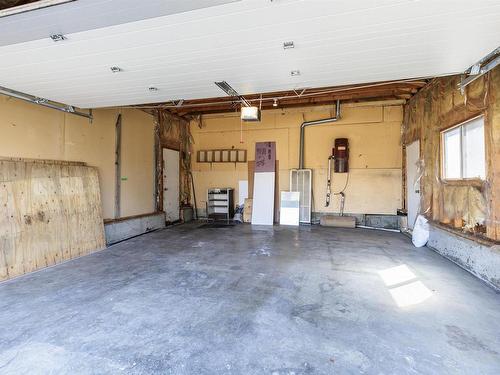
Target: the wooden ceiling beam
(297, 102)
(311, 92)
(309, 102)
(297, 98)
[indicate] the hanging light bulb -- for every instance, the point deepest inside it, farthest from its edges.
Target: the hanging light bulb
(275, 104)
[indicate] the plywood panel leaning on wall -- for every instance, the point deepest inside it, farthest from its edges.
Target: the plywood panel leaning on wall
(51, 212)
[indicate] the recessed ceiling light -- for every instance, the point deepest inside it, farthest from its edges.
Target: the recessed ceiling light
(295, 73)
(153, 88)
(288, 45)
(57, 37)
(116, 69)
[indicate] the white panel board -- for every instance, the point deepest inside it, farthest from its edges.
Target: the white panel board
(289, 208)
(263, 198)
(242, 191)
(413, 184)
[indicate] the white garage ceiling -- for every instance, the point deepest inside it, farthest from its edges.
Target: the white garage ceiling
(71, 16)
(336, 43)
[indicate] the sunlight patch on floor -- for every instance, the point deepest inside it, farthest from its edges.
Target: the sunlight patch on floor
(404, 286)
(397, 275)
(410, 294)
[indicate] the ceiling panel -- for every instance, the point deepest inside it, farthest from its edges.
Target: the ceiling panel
(182, 54)
(82, 15)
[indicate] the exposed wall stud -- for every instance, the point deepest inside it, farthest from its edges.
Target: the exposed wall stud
(118, 162)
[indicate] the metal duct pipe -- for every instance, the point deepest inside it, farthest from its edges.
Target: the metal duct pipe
(44, 102)
(311, 123)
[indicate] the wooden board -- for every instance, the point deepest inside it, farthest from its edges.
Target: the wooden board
(51, 212)
(247, 210)
(251, 172)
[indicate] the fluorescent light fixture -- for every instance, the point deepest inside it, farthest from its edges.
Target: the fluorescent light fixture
(250, 114)
(33, 5)
(116, 69)
(57, 37)
(226, 87)
(295, 73)
(288, 45)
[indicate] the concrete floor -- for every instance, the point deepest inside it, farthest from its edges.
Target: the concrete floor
(252, 301)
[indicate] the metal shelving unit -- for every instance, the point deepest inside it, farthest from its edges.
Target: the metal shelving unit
(220, 203)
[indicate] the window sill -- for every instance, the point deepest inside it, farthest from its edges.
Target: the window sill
(464, 182)
(478, 238)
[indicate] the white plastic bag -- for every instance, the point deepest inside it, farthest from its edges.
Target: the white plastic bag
(420, 234)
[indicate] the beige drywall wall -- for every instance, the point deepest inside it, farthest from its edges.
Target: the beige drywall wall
(373, 131)
(32, 131)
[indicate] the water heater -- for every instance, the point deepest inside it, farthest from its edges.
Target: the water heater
(340, 155)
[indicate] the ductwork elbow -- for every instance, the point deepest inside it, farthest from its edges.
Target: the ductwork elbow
(311, 123)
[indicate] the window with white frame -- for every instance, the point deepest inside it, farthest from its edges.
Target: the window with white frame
(463, 151)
